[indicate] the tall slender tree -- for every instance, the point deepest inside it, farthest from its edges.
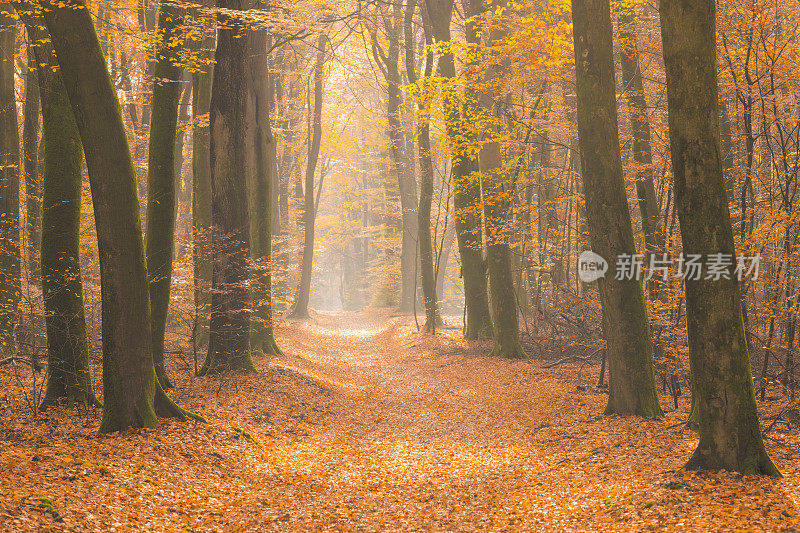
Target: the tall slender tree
(161, 206)
(9, 181)
(202, 79)
(730, 432)
(67, 347)
(300, 306)
(425, 243)
(466, 194)
(261, 173)
(30, 159)
(625, 323)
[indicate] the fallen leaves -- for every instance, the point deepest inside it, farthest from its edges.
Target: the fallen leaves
(356, 429)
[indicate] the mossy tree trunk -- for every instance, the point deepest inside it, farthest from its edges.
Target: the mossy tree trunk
(496, 200)
(425, 243)
(202, 80)
(67, 347)
(466, 185)
(261, 177)
(161, 176)
(730, 432)
(229, 339)
(30, 159)
(9, 182)
(300, 306)
(626, 329)
(131, 393)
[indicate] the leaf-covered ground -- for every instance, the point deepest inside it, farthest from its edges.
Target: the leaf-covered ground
(367, 426)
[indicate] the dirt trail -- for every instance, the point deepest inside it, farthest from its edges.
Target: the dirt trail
(366, 425)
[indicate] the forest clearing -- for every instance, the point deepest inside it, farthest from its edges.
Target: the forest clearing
(379, 428)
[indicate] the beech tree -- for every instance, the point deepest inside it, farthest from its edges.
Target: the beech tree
(300, 306)
(466, 185)
(67, 346)
(9, 182)
(161, 207)
(730, 432)
(229, 336)
(132, 396)
(625, 323)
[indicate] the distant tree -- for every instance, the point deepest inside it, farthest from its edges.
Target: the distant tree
(625, 323)
(300, 306)
(730, 432)
(426, 253)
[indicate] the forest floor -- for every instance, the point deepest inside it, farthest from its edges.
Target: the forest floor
(366, 425)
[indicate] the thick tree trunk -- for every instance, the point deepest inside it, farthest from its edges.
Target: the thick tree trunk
(62, 286)
(300, 307)
(466, 196)
(625, 325)
(131, 393)
(30, 158)
(160, 240)
(730, 432)
(9, 182)
(229, 343)
(261, 176)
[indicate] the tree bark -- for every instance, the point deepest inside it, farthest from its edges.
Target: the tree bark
(261, 176)
(67, 347)
(625, 325)
(730, 432)
(30, 158)
(160, 240)
(9, 182)
(229, 343)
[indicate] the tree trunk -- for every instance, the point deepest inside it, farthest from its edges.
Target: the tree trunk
(30, 158)
(426, 255)
(632, 388)
(160, 240)
(229, 343)
(131, 393)
(466, 196)
(261, 177)
(497, 211)
(300, 307)
(62, 286)
(9, 182)
(730, 433)
(201, 185)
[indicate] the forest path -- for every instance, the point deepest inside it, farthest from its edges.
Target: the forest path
(367, 425)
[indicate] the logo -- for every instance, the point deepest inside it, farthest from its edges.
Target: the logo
(591, 266)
